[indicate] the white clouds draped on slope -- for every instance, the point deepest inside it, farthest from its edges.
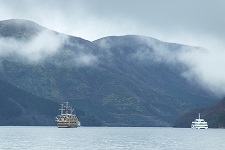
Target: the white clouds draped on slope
(45, 44)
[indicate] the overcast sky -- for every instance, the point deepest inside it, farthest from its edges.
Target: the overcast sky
(185, 21)
(192, 22)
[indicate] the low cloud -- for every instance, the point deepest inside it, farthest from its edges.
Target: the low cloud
(43, 45)
(202, 66)
(206, 68)
(86, 60)
(158, 51)
(40, 44)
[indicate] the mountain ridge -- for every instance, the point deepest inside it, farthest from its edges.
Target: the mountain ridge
(121, 80)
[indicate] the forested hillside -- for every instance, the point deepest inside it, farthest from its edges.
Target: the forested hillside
(121, 80)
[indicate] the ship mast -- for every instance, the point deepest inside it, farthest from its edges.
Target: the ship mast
(62, 109)
(67, 107)
(71, 110)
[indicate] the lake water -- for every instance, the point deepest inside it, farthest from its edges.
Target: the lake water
(110, 138)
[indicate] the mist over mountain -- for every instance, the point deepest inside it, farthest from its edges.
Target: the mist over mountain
(122, 80)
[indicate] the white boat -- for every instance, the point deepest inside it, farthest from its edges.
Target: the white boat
(199, 123)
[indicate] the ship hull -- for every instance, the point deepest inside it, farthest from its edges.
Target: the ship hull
(199, 127)
(67, 125)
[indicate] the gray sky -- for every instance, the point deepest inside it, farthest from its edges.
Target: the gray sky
(168, 20)
(192, 22)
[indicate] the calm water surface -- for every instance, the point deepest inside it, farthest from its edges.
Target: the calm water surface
(110, 138)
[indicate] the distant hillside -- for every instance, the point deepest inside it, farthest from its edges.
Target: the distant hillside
(119, 80)
(18, 107)
(214, 115)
